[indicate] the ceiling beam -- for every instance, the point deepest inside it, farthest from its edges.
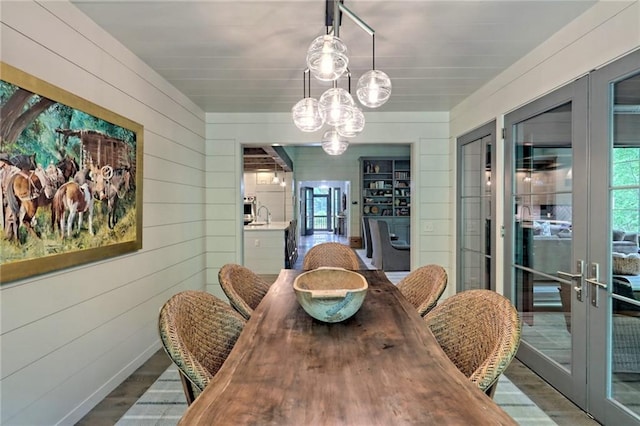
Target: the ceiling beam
(266, 158)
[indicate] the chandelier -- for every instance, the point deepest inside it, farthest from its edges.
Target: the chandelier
(327, 60)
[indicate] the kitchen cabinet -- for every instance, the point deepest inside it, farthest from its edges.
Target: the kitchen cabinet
(265, 247)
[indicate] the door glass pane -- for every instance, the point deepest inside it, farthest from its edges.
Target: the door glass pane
(625, 223)
(472, 219)
(475, 218)
(542, 199)
(472, 165)
(472, 264)
(486, 206)
(321, 209)
(308, 211)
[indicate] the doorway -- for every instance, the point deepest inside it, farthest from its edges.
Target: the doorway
(323, 207)
(572, 194)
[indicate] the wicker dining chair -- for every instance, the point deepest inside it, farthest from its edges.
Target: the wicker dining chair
(424, 286)
(330, 254)
(480, 331)
(198, 331)
(244, 288)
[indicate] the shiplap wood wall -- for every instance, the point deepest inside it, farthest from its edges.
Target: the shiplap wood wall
(70, 337)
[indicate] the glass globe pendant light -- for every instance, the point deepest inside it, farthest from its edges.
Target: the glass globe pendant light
(333, 143)
(306, 113)
(327, 57)
(374, 87)
(336, 106)
(353, 126)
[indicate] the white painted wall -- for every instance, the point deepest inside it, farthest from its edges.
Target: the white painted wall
(602, 34)
(68, 338)
(427, 133)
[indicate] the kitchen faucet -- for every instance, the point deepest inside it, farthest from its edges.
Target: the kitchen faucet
(268, 213)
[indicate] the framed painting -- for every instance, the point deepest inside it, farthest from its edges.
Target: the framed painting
(70, 179)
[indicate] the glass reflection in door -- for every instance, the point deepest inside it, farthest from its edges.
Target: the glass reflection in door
(542, 200)
(625, 264)
(476, 192)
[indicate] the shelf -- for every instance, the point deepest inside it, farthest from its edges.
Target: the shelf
(386, 187)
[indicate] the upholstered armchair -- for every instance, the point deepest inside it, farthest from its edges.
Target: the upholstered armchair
(366, 230)
(387, 256)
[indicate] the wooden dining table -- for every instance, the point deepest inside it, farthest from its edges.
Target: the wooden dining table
(382, 366)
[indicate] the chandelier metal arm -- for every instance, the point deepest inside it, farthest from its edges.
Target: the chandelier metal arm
(355, 18)
(340, 7)
(304, 83)
(306, 79)
(373, 56)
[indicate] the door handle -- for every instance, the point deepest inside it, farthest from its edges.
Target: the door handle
(577, 276)
(595, 281)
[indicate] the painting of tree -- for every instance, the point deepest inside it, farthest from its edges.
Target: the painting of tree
(80, 151)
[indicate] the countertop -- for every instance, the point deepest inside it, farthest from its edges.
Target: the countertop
(263, 226)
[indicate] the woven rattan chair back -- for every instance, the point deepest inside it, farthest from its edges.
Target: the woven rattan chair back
(198, 331)
(480, 331)
(330, 254)
(244, 288)
(424, 286)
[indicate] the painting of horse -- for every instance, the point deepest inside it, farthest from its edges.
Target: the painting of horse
(55, 142)
(111, 185)
(27, 191)
(74, 199)
(24, 161)
(68, 166)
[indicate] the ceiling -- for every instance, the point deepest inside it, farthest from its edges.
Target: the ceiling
(249, 56)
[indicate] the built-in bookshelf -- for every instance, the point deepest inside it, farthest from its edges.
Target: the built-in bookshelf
(386, 190)
(386, 186)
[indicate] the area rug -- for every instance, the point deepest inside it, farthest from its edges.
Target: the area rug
(163, 404)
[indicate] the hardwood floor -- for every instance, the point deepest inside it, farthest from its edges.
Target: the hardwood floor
(109, 411)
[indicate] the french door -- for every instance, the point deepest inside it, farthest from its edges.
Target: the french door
(545, 230)
(476, 209)
(613, 292)
(572, 162)
(307, 212)
(322, 209)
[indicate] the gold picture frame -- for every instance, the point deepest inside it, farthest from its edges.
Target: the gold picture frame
(60, 128)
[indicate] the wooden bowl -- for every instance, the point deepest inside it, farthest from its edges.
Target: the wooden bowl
(330, 294)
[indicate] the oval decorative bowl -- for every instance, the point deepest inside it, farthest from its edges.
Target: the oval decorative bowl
(330, 294)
